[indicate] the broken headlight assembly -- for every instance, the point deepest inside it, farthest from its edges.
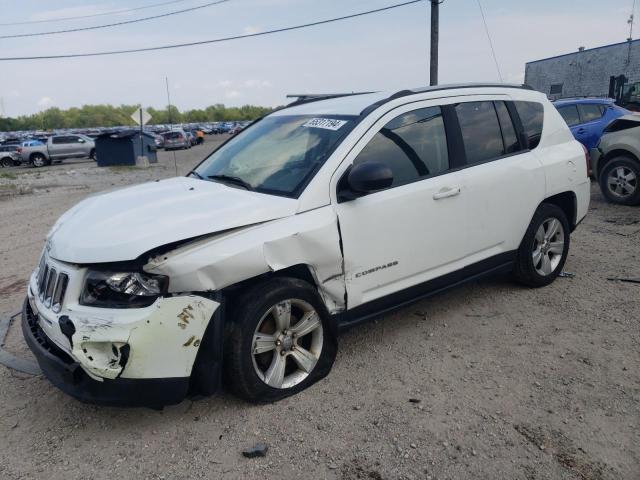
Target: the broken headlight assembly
(122, 289)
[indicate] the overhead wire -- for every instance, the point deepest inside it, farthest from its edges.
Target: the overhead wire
(215, 40)
(116, 24)
(91, 15)
(493, 51)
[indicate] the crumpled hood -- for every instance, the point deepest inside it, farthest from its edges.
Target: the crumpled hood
(124, 224)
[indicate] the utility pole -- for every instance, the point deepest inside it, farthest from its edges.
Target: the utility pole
(435, 34)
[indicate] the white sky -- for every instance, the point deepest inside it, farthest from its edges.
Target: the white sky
(385, 51)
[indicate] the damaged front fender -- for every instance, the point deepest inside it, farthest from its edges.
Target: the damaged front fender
(211, 264)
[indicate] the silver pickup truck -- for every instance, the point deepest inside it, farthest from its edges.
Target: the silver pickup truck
(59, 147)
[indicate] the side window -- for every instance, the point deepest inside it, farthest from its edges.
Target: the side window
(509, 136)
(59, 140)
(532, 118)
(413, 145)
(480, 129)
(589, 112)
(570, 115)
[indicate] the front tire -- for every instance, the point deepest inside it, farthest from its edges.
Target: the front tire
(620, 181)
(281, 341)
(544, 248)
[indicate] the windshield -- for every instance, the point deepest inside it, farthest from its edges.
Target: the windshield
(279, 154)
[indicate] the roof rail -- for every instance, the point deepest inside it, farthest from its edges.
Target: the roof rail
(436, 88)
(314, 97)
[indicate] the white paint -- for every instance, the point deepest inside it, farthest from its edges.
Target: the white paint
(126, 223)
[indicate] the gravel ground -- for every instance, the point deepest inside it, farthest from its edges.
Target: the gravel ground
(488, 381)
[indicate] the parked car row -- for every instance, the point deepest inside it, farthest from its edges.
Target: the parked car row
(39, 153)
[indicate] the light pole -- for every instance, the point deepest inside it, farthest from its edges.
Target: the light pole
(435, 34)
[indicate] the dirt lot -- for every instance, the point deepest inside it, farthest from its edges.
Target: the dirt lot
(488, 381)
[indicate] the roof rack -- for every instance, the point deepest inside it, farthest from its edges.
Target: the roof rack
(436, 88)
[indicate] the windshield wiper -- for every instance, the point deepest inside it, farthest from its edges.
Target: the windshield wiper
(193, 172)
(231, 179)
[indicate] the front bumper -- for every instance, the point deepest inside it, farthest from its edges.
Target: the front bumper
(68, 375)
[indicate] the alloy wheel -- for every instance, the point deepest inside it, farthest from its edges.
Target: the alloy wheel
(548, 246)
(287, 343)
(622, 182)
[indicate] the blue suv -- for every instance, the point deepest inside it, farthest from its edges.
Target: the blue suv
(587, 117)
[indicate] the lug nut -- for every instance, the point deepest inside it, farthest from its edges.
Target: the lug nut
(278, 343)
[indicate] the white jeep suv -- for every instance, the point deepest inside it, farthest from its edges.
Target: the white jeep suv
(318, 216)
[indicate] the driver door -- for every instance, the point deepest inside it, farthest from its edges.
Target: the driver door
(413, 231)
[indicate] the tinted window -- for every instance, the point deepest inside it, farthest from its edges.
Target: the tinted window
(480, 131)
(589, 112)
(570, 115)
(532, 118)
(508, 131)
(413, 145)
(62, 139)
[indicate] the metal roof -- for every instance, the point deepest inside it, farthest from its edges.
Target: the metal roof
(583, 51)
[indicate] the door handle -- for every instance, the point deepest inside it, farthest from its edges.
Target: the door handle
(581, 130)
(446, 192)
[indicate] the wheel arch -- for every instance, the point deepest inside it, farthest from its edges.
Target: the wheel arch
(568, 202)
(299, 271)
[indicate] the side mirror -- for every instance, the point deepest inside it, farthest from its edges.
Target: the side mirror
(364, 178)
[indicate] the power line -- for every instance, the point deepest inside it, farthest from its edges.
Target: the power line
(216, 40)
(126, 22)
(102, 14)
(493, 52)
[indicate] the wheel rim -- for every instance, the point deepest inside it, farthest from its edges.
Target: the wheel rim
(287, 343)
(38, 160)
(622, 182)
(548, 246)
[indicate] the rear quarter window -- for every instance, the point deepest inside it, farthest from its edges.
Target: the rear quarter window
(621, 124)
(532, 118)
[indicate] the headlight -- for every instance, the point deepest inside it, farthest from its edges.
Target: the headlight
(122, 289)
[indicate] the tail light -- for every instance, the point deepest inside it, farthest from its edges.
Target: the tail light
(587, 158)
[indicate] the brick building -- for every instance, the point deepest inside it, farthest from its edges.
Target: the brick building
(609, 71)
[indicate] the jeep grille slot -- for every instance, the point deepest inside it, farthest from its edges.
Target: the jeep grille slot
(42, 281)
(51, 283)
(59, 291)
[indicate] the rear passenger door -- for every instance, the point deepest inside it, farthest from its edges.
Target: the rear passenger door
(591, 124)
(503, 177)
(60, 146)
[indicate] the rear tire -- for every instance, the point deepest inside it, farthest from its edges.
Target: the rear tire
(265, 359)
(544, 248)
(92, 155)
(620, 181)
(39, 160)
(6, 162)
